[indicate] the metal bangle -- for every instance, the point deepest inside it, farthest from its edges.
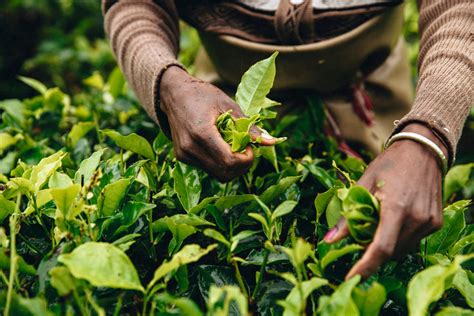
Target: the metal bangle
(443, 161)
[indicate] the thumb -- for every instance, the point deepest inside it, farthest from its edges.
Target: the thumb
(266, 139)
(338, 232)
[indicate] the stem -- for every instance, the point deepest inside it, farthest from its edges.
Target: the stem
(150, 220)
(83, 311)
(4, 277)
(99, 310)
(118, 307)
(240, 281)
(122, 161)
(226, 189)
(13, 256)
(260, 275)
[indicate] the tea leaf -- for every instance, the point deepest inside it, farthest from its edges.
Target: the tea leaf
(454, 222)
(456, 178)
(255, 85)
(102, 265)
(335, 254)
(189, 254)
(295, 302)
(429, 285)
(340, 302)
(78, 131)
(112, 195)
(133, 142)
(187, 185)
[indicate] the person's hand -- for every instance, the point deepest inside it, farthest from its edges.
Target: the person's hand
(192, 107)
(406, 179)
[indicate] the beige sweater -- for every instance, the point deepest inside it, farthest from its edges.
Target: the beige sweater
(144, 35)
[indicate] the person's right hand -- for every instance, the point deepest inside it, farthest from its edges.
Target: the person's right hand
(192, 107)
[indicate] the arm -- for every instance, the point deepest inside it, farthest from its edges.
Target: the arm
(411, 203)
(144, 37)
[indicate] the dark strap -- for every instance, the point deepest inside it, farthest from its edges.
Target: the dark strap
(294, 22)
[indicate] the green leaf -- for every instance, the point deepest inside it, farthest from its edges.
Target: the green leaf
(322, 201)
(185, 305)
(335, 254)
(361, 211)
(112, 195)
(299, 253)
(7, 140)
(454, 222)
(180, 233)
(370, 301)
(262, 220)
(102, 265)
(35, 84)
(22, 266)
(429, 285)
(456, 179)
(255, 85)
(59, 180)
(187, 185)
(220, 299)
(65, 198)
(15, 108)
(340, 302)
(26, 306)
(133, 142)
(88, 167)
(333, 210)
(189, 254)
(462, 283)
(454, 311)
(278, 189)
(283, 209)
(460, 244)
(116, 83)
(62, 280)
(227, 202)
(295, 302)
(237, 238)
(161, 224)
(214, 234)
(78, 131)
(41, 172)
(7, 207)
(202, 205)
(95, 81)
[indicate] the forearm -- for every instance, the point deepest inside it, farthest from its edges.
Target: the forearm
(144, 36)
(445, 90)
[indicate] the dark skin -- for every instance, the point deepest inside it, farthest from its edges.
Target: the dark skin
(406, 178)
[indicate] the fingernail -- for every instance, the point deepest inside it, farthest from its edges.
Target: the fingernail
(266, 136)
(330, 234)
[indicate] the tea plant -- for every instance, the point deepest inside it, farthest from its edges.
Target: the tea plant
(99, 218)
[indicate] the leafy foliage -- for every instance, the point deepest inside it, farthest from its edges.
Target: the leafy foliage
(98, 217)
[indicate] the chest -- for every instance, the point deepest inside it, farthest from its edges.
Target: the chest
(272, 5)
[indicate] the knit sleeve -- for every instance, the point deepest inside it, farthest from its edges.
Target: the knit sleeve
(144, 35)
(445, 89)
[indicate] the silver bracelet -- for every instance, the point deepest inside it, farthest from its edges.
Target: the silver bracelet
(443, 161)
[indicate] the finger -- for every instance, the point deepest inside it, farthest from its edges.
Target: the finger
(381, 248)
(338, 232)
(266, 139)
(216, 169)
(217, 157)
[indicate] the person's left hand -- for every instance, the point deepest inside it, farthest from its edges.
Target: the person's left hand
(406, 179)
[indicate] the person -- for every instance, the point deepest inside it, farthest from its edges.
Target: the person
(351, 52)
